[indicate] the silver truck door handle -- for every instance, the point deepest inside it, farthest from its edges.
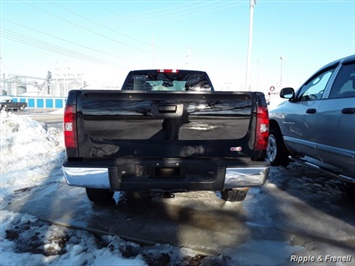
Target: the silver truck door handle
(348, 111)
(311, 111)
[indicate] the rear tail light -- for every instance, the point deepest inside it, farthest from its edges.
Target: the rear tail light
(70, 136)
(262, 128)
(168, 70)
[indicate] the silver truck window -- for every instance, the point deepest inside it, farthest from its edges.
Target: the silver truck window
(313, 90)
(344, 84)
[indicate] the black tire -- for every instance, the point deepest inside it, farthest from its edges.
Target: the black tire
(99, 195)
(234, 194)
(276, 152)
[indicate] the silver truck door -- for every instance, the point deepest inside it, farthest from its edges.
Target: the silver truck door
(301, 122)
(336, 121)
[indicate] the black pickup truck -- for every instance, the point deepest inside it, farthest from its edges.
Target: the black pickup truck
(166, 131)
(8, 104)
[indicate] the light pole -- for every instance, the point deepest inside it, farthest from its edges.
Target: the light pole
(247, 78)
(281, 61)
(188, 57)
(2, 75)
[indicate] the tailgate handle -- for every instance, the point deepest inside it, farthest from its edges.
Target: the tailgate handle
(167, 108)
(348, 111)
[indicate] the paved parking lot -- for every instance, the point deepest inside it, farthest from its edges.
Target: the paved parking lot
(299, 210)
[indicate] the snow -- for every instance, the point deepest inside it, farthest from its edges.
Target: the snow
(28, 151)
(81, 247)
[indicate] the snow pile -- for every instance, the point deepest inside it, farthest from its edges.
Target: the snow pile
(29, 152)
(39, 243)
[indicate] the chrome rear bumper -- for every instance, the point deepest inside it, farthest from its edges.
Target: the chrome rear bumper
(235, 177)
(245, 177)
(87, 177)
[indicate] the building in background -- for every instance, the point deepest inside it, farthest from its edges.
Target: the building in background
(56, 84)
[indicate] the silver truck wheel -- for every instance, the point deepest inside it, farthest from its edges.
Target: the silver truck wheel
(99, 195)
(276, 151)
(271, 148)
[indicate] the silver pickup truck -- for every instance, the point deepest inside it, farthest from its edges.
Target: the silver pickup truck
(316, 124)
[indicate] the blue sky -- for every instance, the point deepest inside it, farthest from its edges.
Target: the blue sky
(105, 39)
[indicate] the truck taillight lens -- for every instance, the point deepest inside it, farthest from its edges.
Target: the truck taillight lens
(168, 70)
(70, 137)
(262, 128)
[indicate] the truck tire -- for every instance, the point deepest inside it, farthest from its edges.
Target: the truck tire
(99, 195)
(234, 194)
(22, 108)
(276, 152)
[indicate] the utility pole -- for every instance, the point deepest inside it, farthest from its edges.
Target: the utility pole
(188, 58)
(2, 75)
(153, 50)
(247, 78)
(281, 58)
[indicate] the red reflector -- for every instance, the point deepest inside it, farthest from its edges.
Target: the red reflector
(262, 128)
(70, 138)
(168, 70)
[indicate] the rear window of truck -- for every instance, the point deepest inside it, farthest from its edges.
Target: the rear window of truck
(160, 80)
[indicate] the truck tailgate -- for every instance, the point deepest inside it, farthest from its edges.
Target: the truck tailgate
(164, 124)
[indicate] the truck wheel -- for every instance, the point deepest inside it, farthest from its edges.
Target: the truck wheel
(276, 152)
(22, 108)
(234, 194)
(99, 195)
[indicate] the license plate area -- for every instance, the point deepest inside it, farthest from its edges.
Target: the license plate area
(161, 172)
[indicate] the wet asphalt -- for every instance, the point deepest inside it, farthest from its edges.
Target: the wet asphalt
(291, 208)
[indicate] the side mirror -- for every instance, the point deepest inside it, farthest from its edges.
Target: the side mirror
(287, 93)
